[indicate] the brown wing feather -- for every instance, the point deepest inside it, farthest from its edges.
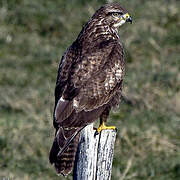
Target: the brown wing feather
(65, 67)
(86, 84)
(100, 85)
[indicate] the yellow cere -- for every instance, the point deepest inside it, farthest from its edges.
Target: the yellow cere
(125, 16)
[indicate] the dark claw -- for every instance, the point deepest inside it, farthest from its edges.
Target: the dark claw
(96, 133)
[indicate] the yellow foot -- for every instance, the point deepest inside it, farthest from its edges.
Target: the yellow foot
(104, 127)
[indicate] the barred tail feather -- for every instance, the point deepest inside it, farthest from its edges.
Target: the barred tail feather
(63, 150)
(65, 162)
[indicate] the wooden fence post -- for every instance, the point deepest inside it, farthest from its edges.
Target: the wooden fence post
(95, 155)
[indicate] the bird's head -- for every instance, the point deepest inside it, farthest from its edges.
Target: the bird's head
(104, 23)
(113, 15)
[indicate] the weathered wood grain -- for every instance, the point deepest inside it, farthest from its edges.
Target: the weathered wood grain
(95, 155)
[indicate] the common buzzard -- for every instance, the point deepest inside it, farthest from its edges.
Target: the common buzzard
(89, 82)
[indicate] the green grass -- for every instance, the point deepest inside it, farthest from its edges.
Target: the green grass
(33, 36)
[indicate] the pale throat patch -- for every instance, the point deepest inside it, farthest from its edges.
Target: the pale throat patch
(120, 23)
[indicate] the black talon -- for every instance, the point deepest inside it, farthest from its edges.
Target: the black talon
(96, 133)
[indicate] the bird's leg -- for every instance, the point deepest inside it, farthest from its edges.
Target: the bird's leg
(103, 119)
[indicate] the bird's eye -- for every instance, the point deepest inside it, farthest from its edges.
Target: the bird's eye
(117, 14)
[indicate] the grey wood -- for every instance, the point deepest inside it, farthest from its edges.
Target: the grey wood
(95, 155)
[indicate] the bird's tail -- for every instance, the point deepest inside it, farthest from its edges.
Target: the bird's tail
(63, 150)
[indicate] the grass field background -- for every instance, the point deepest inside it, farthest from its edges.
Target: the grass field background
(33, 36)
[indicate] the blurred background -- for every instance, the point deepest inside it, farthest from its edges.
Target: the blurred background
(33, 36)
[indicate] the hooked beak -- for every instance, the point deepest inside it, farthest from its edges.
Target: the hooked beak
(124, 18)
(127, 18)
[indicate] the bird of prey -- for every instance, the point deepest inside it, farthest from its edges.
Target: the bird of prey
(89, 82)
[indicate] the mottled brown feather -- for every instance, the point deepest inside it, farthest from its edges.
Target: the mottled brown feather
(89, 84)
